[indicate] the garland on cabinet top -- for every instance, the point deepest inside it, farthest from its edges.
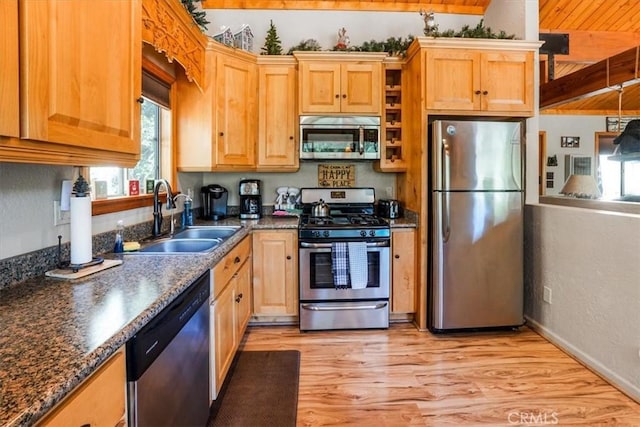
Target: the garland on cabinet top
(199, 16)
(394, 46)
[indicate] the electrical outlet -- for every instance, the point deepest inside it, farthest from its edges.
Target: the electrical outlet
(389, 191)
(546, 294)
(60, 217)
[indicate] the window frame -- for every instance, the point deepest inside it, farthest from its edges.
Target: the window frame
(167, 157)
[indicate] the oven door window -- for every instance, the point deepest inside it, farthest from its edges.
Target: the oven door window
(321, 276)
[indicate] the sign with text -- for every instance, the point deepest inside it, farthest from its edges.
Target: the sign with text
(336, 175)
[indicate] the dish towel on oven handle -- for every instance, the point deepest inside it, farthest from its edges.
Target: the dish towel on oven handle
(358, 264)
(340, 264)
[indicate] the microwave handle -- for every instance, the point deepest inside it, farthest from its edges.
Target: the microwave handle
(361, 140)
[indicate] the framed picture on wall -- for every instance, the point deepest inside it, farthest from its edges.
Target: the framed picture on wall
(570, 141)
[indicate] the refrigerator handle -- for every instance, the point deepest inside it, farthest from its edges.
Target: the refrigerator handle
(361, 140)
(446, 218)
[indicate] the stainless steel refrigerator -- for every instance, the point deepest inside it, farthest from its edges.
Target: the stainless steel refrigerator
(476, 226)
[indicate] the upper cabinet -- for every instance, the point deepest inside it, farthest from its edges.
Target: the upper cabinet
(338, 82)
(216, 124)
(79, 82)
(277, 114)
(237, 93)
(494, 76)
(9, 60)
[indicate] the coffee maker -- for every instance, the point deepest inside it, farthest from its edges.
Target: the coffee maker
(250, 199)
(213, 199)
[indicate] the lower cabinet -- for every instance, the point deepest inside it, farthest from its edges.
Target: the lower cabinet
(99, 401)
(230, 310)
(275, 274)
(403, 276)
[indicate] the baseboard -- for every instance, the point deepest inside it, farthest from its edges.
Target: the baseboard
(593, 365)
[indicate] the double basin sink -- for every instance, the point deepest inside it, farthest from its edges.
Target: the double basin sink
(196, 239)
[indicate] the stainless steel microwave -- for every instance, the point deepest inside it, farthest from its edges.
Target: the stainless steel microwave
(340, 137)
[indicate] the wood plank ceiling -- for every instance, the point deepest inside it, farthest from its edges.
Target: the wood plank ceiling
(597, 30)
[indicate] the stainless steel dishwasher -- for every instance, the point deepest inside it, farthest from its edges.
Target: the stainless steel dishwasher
(168, 363)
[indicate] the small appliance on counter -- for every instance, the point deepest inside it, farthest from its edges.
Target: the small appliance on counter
(389, 208)
(287, 201)
(250, 199)
(214, 202)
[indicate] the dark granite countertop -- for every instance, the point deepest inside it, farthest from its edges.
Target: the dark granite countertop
(54, 333)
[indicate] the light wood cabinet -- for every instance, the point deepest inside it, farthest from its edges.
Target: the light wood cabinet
(277, 114)
(393, 152)
(216, 123)
(242, 299)
(9, 69)
(78, 103)
(468, 80)
(338, 82)
(237, 94)
(403, 274)
(275, 273)
(230, 310)
(99, 401)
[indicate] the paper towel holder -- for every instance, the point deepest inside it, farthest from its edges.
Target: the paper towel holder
(66, 265)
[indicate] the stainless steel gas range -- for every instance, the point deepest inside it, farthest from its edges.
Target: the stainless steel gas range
(344, 260)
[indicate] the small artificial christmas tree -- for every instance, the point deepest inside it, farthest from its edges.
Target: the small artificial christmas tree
(272, 44)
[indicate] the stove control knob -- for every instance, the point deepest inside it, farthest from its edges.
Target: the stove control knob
(363, 233)
(325, 233)
(315, 234)
(372, 233)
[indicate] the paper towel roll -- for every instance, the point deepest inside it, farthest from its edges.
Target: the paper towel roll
(81, 250)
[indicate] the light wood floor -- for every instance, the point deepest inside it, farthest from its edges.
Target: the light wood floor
(403, 377)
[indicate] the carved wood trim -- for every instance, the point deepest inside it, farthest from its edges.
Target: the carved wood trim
(168, 27)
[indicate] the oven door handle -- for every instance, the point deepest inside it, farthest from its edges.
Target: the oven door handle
(313, 307)
(328, 245)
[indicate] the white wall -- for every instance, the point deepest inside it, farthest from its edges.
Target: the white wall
(307, 176)
(27, 193)
(556, 126)
(293, 26)
(590, 260)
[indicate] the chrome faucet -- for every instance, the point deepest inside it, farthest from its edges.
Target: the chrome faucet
(157, 206)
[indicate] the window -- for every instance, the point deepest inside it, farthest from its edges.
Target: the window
(116, 180)
(618, 180)
(111, 185)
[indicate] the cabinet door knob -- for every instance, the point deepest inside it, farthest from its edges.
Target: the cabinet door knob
(236, 260)
(291, 138)
(477, 92)
(288, 256)
(337, 96)
(484, 92)
(140, 100)
(238, 299)
(221, 133)
(344, 96)
(397, 256)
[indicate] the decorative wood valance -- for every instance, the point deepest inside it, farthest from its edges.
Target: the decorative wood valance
(168, 27)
